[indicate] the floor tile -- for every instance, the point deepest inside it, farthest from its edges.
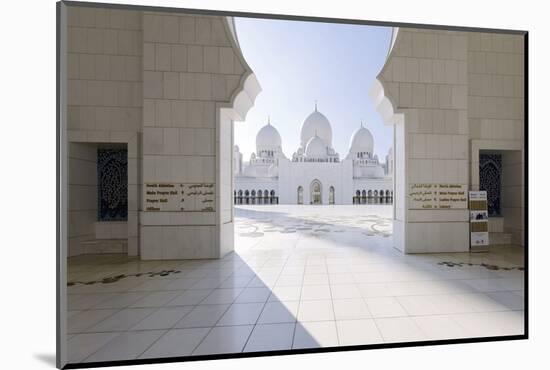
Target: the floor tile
(439, 327)
(315, 292)
(315, 334)
(358, 332)
(315, 310)
(270, 337)
(486, 324)
(399, 329)
(316, 279)
(181, 284)
(319, 277)
(420, 305)
(346, 309)
(279, 312)
(156, 299)
(85, 301)
(190, 297)
(176, 342)
(241, 314)
(122, 320)
(374, 290)
(222, 296)
(290, 280)
(78, 323)
(151, 285)
(341, 278)
(81, 346)
(163, 318)
(253, 295)
(126, 346)
(343, 291)
(224, 339)
(316, 269)
(121, 300)
(385, 307)
(285, 293)
(508, 300)
(236, 282)
(202, 316)
(207, 283)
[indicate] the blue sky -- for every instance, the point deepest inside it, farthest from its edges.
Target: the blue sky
(297, 63)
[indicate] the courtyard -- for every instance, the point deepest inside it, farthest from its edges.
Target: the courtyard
(300, 277)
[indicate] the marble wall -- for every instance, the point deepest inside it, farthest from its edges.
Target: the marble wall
(104, 79)
(496, 117)
(448, 94)
(426, 76)
(82, 188)
(189, 65)
(168, 86)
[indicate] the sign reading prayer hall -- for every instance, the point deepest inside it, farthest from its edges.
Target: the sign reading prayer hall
(179, 197)
(438, 196)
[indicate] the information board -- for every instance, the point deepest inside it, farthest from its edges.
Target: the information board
(179, 197)
(438, 196)
(479, 219)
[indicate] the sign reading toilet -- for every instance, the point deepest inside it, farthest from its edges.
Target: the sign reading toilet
(438, 196)
(178, 197)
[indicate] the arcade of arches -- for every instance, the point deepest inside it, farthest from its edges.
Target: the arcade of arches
(258, 197)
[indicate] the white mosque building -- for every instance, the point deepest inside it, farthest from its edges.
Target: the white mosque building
(315, 174)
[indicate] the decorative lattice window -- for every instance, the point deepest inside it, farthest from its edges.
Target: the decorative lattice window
(112, 183)
(490, 174)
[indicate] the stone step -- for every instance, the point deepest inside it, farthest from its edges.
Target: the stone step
(500, 238)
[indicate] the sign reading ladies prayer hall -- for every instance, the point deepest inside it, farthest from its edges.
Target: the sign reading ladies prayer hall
(438, 196)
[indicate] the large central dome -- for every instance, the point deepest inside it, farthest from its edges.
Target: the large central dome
(316, 124)
(268, 138)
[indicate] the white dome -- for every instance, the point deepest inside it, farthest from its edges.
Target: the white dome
(316, 148)
(316, 124)
(268, 137)
(361, 141)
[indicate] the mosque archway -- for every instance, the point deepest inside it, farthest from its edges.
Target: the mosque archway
(331, 195)
(316, 192)
(300, 195)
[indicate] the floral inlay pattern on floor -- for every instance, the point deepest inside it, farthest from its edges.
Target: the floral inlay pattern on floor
(486, 265)
(114, 279)
(315, 225)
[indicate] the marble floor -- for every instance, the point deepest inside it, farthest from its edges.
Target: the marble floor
(300, 277)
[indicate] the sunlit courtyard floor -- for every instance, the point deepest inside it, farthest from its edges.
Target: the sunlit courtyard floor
(301, 276)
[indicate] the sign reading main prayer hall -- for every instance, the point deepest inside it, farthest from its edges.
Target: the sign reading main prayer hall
(179, 197)
(438, 196)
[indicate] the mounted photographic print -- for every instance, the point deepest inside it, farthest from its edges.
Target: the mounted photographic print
(236, 185)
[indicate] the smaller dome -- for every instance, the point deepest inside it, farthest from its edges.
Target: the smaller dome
(361, 141)
(315, 148)
(268, 137)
